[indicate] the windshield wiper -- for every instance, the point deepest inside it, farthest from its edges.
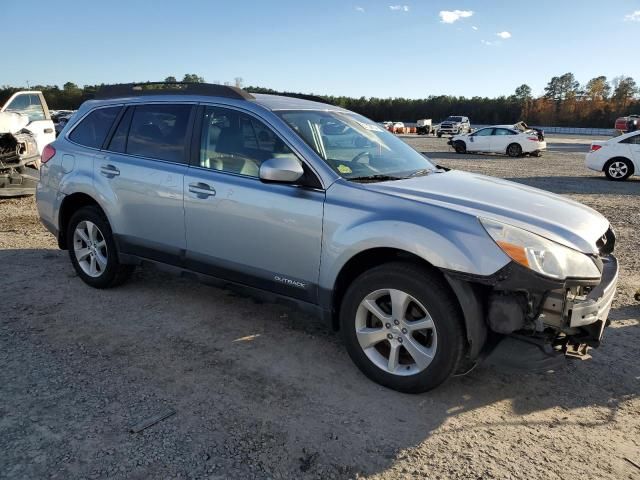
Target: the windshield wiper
(421, 173)
(374, 178)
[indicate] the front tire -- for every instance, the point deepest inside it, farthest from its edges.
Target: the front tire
(514, 150)
(618, 169)
(92, 250)
(402, 327)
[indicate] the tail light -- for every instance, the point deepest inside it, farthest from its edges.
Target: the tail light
(595, 148)
(47, 154)
(533, 139)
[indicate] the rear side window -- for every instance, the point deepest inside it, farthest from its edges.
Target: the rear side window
(159, 131)
(93, 129)
(504, 131)
(635, 140)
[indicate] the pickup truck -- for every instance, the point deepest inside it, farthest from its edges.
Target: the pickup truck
(454, 125)
(25, 129)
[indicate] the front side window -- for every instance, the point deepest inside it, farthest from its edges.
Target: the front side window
(355, 147)
(504, 131)
(159, 131)
(28, 104)
(235, 142)
(93, 129)
(485, 132)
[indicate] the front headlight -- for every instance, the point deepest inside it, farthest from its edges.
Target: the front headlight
(539, 254)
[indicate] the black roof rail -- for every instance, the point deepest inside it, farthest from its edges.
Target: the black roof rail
(170, 88)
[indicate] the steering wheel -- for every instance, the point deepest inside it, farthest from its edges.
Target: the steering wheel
(360, 155)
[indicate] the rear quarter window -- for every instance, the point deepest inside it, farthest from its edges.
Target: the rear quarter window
(93, 129)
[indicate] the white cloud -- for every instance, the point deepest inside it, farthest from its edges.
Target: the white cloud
(360, 9)
(451, 16)
(489, 44)
(504, 35)
(633, 17)
(399, 8)
(475, 28)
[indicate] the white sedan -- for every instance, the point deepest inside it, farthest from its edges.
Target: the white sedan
(500, 139)
(618, 158)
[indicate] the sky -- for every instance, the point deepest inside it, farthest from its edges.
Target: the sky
(357, 48)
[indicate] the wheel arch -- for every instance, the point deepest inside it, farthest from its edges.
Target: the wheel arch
(468, 299)
(620, 157)
(71, 204)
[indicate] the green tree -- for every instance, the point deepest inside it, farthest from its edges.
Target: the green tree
(70, 87)
(192, 78)
(597, 88)
(170, 79)
(523, 98)
(625, 91)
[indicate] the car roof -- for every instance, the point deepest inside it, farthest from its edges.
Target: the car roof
(134, 93)
(280, 102)
(619, 138)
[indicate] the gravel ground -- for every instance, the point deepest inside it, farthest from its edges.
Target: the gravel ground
(261, 391)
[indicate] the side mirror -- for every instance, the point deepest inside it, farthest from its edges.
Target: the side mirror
(281, 169)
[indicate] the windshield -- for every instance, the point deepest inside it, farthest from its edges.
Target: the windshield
(453, 119)
(355, 147)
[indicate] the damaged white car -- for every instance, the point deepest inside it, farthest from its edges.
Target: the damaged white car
(25, 129)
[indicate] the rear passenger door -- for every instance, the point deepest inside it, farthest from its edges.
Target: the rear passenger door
(239, 228)
(501, 139)
(633, 143)
(139, 175)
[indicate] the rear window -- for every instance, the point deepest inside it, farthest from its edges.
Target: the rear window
(159, 131)
(93, 129)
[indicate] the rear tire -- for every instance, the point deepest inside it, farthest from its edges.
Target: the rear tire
(93, 251)
(439, 135)
(618, 169)
(514, 150)
(402, 327)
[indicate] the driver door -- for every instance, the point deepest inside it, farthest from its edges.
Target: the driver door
(263, 235)
(480, 141)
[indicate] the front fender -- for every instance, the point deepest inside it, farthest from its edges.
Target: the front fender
(446, 239)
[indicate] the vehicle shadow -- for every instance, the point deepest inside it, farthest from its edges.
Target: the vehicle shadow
(253, 384)
(582, 184)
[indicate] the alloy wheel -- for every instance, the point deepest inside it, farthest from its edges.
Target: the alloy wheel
(90, 248)
(396, 332)
(618, 169)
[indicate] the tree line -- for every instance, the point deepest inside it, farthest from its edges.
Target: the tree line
(565, 102)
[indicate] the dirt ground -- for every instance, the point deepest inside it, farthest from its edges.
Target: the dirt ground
(261, 391)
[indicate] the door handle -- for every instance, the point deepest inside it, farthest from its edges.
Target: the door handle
(109, 171)
(202, 190)
(48, 130)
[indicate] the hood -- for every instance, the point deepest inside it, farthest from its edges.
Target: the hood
(11, 122)
(549, 215)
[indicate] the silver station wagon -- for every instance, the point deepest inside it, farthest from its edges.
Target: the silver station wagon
(421, 268)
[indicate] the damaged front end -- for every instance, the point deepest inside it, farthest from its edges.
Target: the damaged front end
(559, 316)
(19, 163)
